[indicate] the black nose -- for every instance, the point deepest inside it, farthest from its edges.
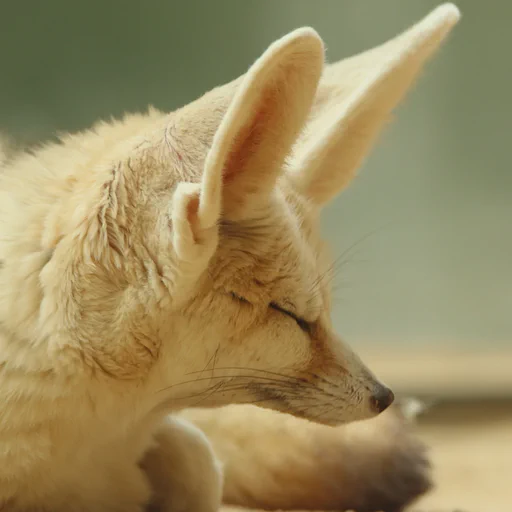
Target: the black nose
(382, 398)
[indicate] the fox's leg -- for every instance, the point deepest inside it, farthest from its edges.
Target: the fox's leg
(274, 461)
(184, 473)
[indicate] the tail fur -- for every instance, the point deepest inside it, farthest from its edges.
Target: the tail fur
(274, 461)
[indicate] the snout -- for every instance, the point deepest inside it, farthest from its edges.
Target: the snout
(381, 398)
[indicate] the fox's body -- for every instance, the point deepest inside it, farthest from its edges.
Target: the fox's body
(169, 261)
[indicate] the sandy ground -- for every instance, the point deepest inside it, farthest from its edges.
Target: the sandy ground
(471, 448)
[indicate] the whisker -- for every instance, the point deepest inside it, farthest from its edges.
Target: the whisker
(334, 269)
(222, 388)
(293, 378)
(258, 377)
(214, 388)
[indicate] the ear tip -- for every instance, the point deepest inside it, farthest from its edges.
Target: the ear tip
(307, 36)
(448, 13)
(306, 32)
(436, 25)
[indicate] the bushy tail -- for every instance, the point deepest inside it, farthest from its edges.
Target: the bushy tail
(274, 461)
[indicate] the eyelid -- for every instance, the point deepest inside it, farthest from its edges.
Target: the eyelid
(239, 297)
(303, 324)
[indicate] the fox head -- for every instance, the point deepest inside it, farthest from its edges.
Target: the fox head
(178, 254)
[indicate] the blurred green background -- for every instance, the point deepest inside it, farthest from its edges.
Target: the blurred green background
(426, 226)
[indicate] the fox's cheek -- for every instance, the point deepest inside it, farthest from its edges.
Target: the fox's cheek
(322, 357)
(232, 324)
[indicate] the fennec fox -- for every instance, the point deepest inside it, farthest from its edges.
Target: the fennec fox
(167, 261)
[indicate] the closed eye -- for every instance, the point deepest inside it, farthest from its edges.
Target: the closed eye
(239, 298)
(303, 324)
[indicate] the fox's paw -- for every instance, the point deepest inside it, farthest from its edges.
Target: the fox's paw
(184, 473)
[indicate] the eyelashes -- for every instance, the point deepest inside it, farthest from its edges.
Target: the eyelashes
(303, 324)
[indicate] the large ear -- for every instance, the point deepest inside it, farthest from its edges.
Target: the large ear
(264, 118)
(355, 99)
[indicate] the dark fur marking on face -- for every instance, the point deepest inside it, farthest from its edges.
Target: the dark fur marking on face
(267, 394)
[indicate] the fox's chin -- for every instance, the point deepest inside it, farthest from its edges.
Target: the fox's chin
(310, 413)
(332, 418)
(313, 411)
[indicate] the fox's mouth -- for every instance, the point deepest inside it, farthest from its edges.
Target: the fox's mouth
(315, 409)
(320, 406)
(314, 397)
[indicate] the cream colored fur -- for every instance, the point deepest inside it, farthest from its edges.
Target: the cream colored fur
(168, 261)
(279, 462)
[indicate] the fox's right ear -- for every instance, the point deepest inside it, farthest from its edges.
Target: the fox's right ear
(249, 147)
(355, 100)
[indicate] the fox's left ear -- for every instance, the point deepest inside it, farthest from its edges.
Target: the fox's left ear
(355, 99)
(256, 133)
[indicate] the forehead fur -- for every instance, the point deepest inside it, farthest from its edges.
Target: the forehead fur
(275, 257)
